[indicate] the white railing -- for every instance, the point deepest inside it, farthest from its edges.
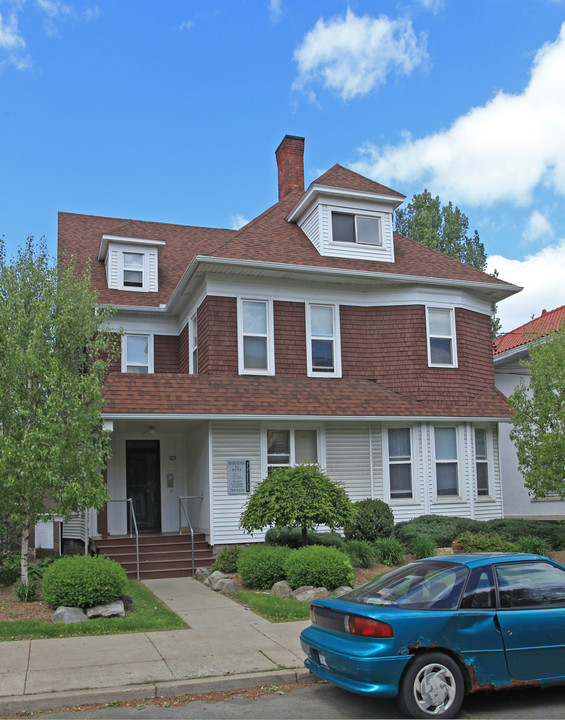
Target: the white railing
(132, 529)
(184, 509)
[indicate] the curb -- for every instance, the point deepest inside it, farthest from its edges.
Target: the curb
(13, 704)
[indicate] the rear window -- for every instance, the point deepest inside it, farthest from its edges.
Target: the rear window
(420, 586)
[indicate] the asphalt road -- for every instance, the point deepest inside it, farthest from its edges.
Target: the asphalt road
(325, 701)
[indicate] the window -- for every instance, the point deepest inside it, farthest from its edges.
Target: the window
(481, 461)
(291, 447)
(137, 352)
(133, 269)
(321, 324)
(446, 461)
(255, 337)
(530, 584)
(363, 229)
(441, 337)
(400, 463)
(194, 344)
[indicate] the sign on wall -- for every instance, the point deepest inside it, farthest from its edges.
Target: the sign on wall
(239, 477)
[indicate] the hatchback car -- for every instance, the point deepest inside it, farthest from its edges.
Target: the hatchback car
(435, 629)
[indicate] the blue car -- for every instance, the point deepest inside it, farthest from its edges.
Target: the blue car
(433, 630)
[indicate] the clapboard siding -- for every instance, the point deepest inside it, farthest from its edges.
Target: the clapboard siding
(348, 457)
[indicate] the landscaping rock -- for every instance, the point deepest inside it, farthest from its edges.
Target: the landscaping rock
(341, 590)
(308, 593)
(226, 585)
(69, 615)
(113, 609)
(201, 574)
(281, 589)
(128, 602)
(213, 579)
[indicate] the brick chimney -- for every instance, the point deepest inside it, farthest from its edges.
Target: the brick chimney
(290, 163)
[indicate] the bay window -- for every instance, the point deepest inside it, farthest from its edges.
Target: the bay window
(441, 337)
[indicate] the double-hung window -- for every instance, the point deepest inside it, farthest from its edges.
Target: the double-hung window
(400, 463)
(133, 269)
(256, 354)
(322, 348)
(137, 353)
(288, 446)
(350, 228)
(441, 337)
(446, 461)
(481, 461)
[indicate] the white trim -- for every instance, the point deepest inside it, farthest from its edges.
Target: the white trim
(312, 372)
(307, 418)
(122, 240)
(452, 337)
(192, 343)
(211, 485)
(292, 427)
(459, 446)
(415, 498)
(150, 350)
(269, 336)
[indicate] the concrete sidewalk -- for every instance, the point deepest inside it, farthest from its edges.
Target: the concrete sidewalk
(227, 647)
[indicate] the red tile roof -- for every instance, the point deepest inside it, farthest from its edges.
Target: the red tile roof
(271, 396)
(538, 327)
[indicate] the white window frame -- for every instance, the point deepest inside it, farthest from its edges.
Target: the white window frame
(312, 371)
(193, 343)
(489, 461)
(356, 215)
(122, 268)
(387, 462)
(150, 364)
(267, 426)
(452, 336)
(269, 335)
(458, 460)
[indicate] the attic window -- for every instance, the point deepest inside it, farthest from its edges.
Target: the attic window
(361, 229)
(133, 270)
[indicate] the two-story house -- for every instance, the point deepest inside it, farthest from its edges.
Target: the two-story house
(313, 334)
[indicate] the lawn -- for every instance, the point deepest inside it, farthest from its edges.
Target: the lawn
(273, 608)
(149, 615)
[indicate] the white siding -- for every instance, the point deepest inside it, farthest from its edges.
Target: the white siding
(152, 271)
(311, 228)
(348, 457)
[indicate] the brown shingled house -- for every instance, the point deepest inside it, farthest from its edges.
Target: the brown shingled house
(315, 333)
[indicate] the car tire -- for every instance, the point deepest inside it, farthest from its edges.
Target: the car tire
(432, 687)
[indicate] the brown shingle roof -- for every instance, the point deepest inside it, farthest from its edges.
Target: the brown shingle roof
(272, 396)
(546, 323)
(341, 177)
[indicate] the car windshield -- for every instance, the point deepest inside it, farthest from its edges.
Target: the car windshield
(420, 585)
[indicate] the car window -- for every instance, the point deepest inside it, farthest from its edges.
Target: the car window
(423, 586)
(479, 591)
(530, 584)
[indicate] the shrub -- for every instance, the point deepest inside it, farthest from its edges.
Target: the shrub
(360, 553)
(261, 566)
(372, 519)
(442, 529)
(26, 593)
(226, 561)
(83, 581)
(552, 532)
(328, 539)
(485, 542)
(423, 546)
(389, 551)
(292, 537)
(533, 544)
(318, 566)
(10, 570)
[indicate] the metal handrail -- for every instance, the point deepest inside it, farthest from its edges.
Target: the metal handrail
(181, 508)
(133, 525)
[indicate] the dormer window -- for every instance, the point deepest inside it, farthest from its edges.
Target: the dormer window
(131, 263)
(133, 269)
(349, 228)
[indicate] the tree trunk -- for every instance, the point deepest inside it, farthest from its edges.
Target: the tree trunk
(304, 536)
(24, 554)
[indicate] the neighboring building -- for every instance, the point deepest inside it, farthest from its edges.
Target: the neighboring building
(509, 350)
(315, 333)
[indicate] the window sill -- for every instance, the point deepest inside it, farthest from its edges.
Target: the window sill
(449, 499)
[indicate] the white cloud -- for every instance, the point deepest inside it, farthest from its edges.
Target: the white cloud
(55, 11)
(433, 6)
(92, 13)
(541, 275)
(10, 39)
(499, 151)
(237, 221)
(353, 55)
(187, 24)
(538, 227)
(275, 10)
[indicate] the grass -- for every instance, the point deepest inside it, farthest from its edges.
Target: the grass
(273, 608)
(149, 615)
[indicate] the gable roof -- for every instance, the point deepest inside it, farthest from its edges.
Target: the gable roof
(340, 177)
(546, 323)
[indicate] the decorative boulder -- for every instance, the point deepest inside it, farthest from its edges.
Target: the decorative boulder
(128, 602)
(201, 574)
(113, 609)
(281, 589)
(226, 585)
(214, 579)
(308, 593)
(69, 615)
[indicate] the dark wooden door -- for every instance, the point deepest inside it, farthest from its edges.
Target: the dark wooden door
(143, 479)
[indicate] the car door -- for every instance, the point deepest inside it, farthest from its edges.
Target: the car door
(531, 616)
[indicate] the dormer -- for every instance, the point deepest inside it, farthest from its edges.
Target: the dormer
(346, 215)
(131, 263)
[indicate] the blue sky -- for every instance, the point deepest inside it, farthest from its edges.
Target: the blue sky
(171, 111)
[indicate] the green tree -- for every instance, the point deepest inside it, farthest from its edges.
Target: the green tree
(539, 417)
(299, 496)
(55, 349)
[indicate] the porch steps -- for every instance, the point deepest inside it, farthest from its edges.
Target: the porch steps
(160, 556)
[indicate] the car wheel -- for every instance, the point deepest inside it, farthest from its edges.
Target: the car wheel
(432, 686)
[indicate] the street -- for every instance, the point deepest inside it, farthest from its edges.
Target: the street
(325, 701)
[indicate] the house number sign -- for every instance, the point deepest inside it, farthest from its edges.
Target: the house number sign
(239, 477)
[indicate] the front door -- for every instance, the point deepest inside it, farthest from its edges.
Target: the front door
(143, 479)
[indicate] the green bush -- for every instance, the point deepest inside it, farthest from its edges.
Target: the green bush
(328, 539)
(423, 546)
(261, 566)
(292, 537)
(318, 566)
(26, 593)
(442, 529)
(533, 544)
(371, 520)
(83, 581)
(480, 542)
(389, 551)
(226, 561)
(10, 570)
(360, 553)
(552, 532)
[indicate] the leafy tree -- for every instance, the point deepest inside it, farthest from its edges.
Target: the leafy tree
(55, 349)
(539, 417)
(300, 496)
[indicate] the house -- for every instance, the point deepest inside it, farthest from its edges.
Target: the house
(509, 350)
(315, 333)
